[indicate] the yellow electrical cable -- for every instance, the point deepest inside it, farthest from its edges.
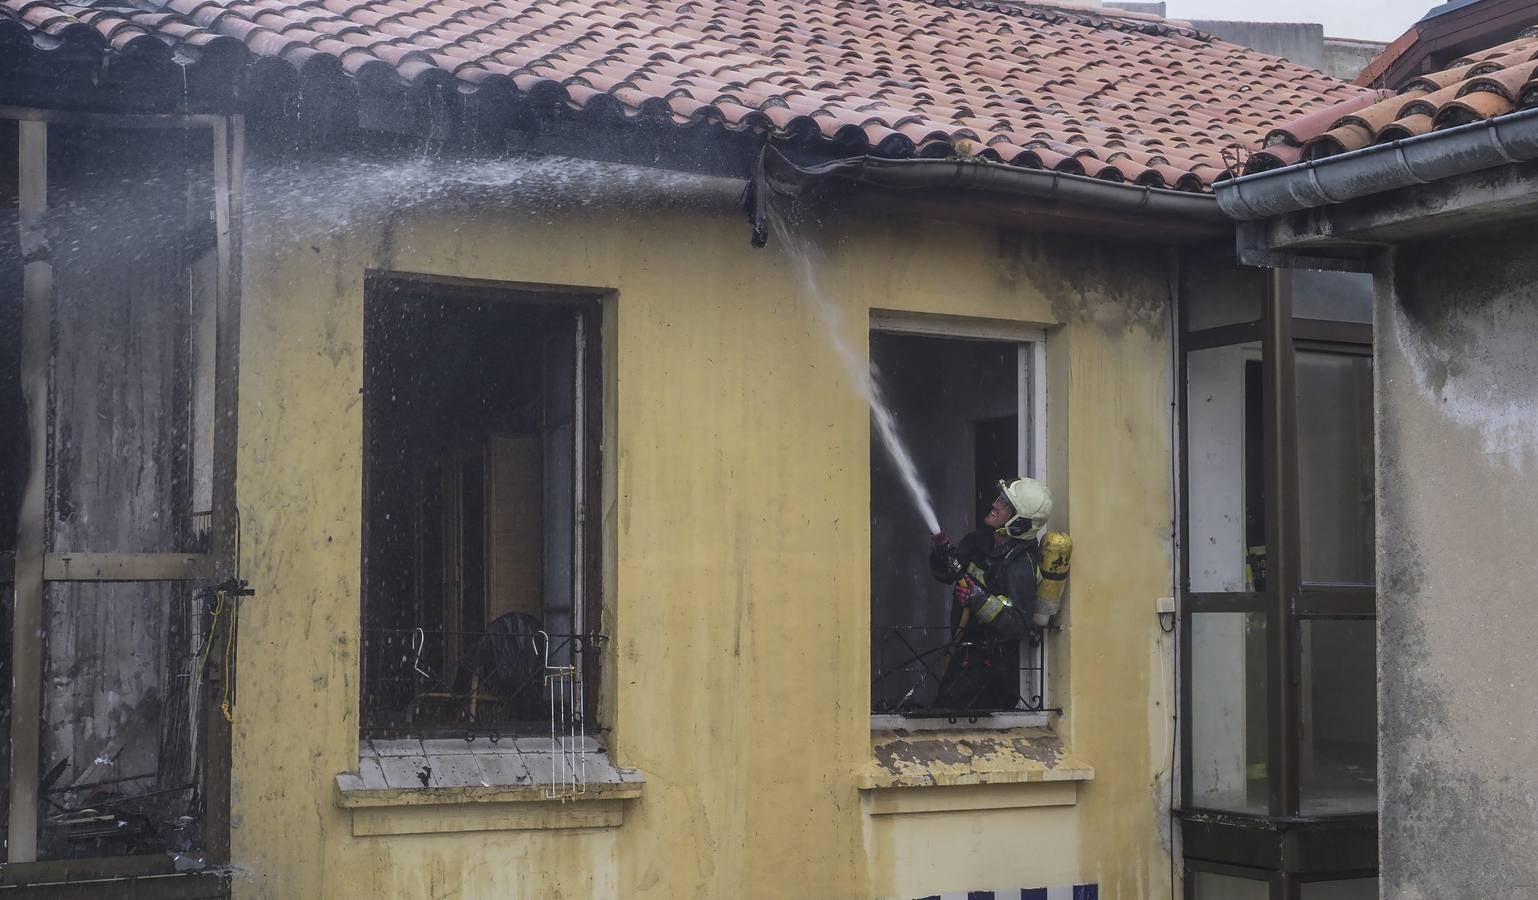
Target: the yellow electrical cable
(208, 644)
(224, 698)
(229, 638)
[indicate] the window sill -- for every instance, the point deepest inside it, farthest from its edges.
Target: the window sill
(985, 722)
(351, 795)
(436, 787)
(969, 757)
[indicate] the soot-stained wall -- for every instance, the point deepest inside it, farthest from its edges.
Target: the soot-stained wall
(1457, 454)
(736, 506)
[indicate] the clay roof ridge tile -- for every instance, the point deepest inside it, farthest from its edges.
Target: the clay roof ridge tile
(1429, 104)
(183, 7)
(1522, 41)
(1507, 82)
(101, 22)
(1399, 129)
(343, 8)
(1473, 106)
(1432, 82)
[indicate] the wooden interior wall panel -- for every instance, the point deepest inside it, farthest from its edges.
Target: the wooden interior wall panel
(515, 531)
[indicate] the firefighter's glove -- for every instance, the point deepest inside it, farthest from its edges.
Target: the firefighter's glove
(943, 560)
(985, 606)
(968, 593)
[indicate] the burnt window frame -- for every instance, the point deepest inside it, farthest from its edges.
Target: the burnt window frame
(588, 306)
(32, 566)
(1280, 846)
(1032, 398)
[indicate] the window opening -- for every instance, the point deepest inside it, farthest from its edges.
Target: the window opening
(116, 310)
(1277, 633)
(1337, 640)
(1335, 467)
(477, 562)
(1226, 511)
(1226, 508)
(121, 771)
(1228, 725)
(122, 690)
(1332, 296)
(1337, 731)
(966, 408)
(13, 438)
(1343, 889)
(1213, 886)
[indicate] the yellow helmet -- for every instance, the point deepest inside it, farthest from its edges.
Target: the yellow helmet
(1032, 502)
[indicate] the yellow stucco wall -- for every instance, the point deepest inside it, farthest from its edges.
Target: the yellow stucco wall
(739, 602)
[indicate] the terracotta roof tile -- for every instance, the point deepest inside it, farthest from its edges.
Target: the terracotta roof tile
(1121, 96)
(1481, 86)
(1409, 126)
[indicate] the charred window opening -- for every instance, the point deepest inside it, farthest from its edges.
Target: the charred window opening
(107, 372)
(480, 469)
(13, 445)
(966, 408)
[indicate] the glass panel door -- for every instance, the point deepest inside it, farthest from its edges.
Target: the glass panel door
(1212, 886)
(1226, 493)
(1278, 660)
(1337, 717)
(1225, 630)
(1335, 467)
(1335, 630)
(1229, 733)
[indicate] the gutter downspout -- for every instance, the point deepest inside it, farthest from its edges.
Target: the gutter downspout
(1512, 138)
(784, 175)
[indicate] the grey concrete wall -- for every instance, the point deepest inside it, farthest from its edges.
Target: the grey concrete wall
(1301, 42)
(1345, 59)
(1457, 383)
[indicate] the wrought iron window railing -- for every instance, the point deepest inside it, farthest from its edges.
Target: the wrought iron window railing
(922, 671)
(513, 683)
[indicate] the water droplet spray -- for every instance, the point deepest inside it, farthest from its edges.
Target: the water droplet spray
(863, 375)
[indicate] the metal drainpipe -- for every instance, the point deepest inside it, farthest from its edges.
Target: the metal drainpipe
(1177, 509)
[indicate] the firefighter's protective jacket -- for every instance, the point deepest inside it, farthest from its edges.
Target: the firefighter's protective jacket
(984, 668)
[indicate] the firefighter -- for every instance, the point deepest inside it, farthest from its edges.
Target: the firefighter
(993, 571)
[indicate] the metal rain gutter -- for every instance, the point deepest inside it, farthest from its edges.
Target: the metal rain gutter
(1512, 138)
(974, 175)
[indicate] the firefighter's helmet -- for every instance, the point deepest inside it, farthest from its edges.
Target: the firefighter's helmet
(1032, 502)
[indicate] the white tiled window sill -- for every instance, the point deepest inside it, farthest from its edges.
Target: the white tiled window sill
(983, 722)
(444, 785)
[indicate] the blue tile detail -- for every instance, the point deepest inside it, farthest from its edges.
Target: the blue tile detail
(1080, 892)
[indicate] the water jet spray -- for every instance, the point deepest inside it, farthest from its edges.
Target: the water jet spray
(863, 374)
